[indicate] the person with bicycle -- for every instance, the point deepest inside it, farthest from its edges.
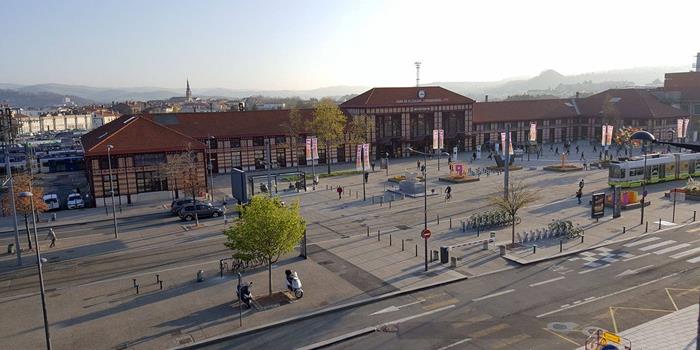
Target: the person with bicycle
(448, 193)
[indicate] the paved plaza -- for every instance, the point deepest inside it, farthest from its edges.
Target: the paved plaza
(358, 249)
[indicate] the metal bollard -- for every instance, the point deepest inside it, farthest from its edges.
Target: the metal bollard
(161, 285)
(561, 246)
(581, 238)
(356, 195)
(390, 240)
(367, 231)
(402, 246)
(646, 228)
(390, 204)
(381, 201)
(534, 248)
(438, 219)
(157, 278)
(379, 236)
(624, 229)
(137, 289)
(416, 249)
(659, 223)
(464, 226)
(450, 222)
(134, 281)
(372, 199)
(694, 212)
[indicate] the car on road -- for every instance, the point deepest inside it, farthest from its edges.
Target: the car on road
(52, 201)
(177, 204)
(75, 201)
(187, 213)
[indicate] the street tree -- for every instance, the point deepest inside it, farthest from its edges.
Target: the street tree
(295, 126)
(328, 124)
(359, 129)
(23, 183)
(266, 230)
(187, 168)
(623, 136)
(519, 195)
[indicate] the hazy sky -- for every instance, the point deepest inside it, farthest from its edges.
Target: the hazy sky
(306, 44)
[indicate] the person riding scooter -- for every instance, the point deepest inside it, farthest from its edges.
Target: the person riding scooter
(294, 283)
(244, 294)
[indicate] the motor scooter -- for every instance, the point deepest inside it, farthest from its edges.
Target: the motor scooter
(294, 283)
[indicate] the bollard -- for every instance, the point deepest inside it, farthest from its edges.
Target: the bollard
(356, 195)
(646, 228)
(624, 229)
(561, 245)
(134, 281)
(438, 219)
(402, 241)
(581, 238)
(659, 223)
(694, 212)
(450, 222)
(416, 249)
(137, 288)
(161, 285)
(534, 248)
(367, 231)
(477, 232)
(381, 201)
(390, 240)
(157, 278)
(464, 226)
(379, 236)
(372, 199)
(390, 204)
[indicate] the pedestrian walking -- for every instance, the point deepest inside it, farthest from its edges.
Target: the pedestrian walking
(580, 184)
(557, 151)
(340, 192)
(372, 165)
(600, 155)
(579, 193)
(473, 156)
(418, 165)
(52, 237)
(366, 177)
(595, 149)
(582, 157)
(576, 149)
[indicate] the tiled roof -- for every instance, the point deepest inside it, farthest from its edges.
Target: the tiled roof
(524, 110)
(681, 81)
(405, 96)
(228, 124)
(630, 104)
(136, 134)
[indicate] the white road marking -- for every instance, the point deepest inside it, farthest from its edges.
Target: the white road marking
(590, 300)
(670, 249)
(646, 240)
(657, 245)
(693, 230)
(686, 253)
(494, 295)
(694, 260)
(393, 308)
(637, 257)
(547, 281)
(595, 269)
(633, 271)
(455, 344)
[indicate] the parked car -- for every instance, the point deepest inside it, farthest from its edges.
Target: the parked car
(187, 212)
(177, 204)
(75, 201)
(52, 201)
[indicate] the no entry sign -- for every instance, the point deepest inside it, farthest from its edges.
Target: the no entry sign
(425, 234)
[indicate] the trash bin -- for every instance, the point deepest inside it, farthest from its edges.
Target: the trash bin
(444, 255)
(502, 250)
(200, 276)
(11, 248)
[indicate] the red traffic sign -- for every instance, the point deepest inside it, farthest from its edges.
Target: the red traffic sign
(425, 234)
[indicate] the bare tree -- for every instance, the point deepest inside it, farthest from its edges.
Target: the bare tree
(519, 195)
(295, 126)
(23, 183)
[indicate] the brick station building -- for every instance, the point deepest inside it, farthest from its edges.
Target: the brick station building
(402, 117)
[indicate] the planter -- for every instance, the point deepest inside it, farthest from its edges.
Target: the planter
(563, 169)
(456, 180)
(511, 168)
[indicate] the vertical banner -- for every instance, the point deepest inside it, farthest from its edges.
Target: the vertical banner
(503, 143)
(358, 158)
(533, 132)
(609, 135)
(459, 169)
(510, 144)
(309, 155)
(314, 147)
(436, 136)
(604, 135)
(441, 139)
(478, 152)
(679, 128)
(686, 121)
(682, 129)
(365, 149)
(598, 205)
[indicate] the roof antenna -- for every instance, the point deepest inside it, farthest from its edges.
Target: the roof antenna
(417, 63)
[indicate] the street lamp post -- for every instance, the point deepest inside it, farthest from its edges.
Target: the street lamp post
(210, 167)
(30, 196)
(362, 160)
(643, 136)
(425, 202)
(111, 189)
(386, 154)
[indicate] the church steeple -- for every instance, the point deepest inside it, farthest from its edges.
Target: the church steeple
(188, 92)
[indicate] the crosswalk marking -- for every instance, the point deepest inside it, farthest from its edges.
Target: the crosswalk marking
(647, 240)
(657, 245)
(670, 249)
(686, 253)
(694, 260)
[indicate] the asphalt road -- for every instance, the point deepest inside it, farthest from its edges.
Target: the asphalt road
(549, 305)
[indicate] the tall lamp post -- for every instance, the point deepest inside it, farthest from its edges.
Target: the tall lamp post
(425, 201)
(8, 134)
(210, 167)
(30, 195)
(111, 189)
(643, 136)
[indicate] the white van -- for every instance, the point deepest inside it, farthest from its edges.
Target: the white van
(75, 201)
(52, 201)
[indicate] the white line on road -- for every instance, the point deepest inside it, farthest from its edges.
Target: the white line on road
(595, 269)
(670, 249)
(455, 344)
(547, 281)
(657, 245)
(590, 300)
(694, 260)
(686, 253)
(494, 295)
(637, 257)
(646, 240)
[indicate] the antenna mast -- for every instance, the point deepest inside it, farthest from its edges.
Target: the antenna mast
(417, 63)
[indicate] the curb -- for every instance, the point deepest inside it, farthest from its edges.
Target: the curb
(78, 223)
(603, 244)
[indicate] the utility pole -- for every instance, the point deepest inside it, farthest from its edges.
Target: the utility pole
(506, 168)
(6, 115)
(362, 160)
(417, 63)
(210, 167)
(111, 189)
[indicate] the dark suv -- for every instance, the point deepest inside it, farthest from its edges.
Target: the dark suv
(177, 204)
(203, 211)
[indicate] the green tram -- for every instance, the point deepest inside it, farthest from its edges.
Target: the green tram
(660, 167)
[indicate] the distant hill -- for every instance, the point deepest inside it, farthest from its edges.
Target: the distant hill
(38, 99)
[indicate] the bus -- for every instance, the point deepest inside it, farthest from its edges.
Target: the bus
(660, 168)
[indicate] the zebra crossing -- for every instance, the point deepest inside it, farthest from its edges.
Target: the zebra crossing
(669, 246)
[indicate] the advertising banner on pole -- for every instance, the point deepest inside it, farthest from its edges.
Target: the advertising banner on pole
(679, 128)
(314, 147)
(358, 158)
(309, 155)
(686, 121)
(682, 129)
(365, 149)
(436, 136)
(598, 205)
(478, 151)
(533, 132)
(459, 169)
(604, 135)
(510, 144)
(441, 139)
(503, 143)
(609, 135)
